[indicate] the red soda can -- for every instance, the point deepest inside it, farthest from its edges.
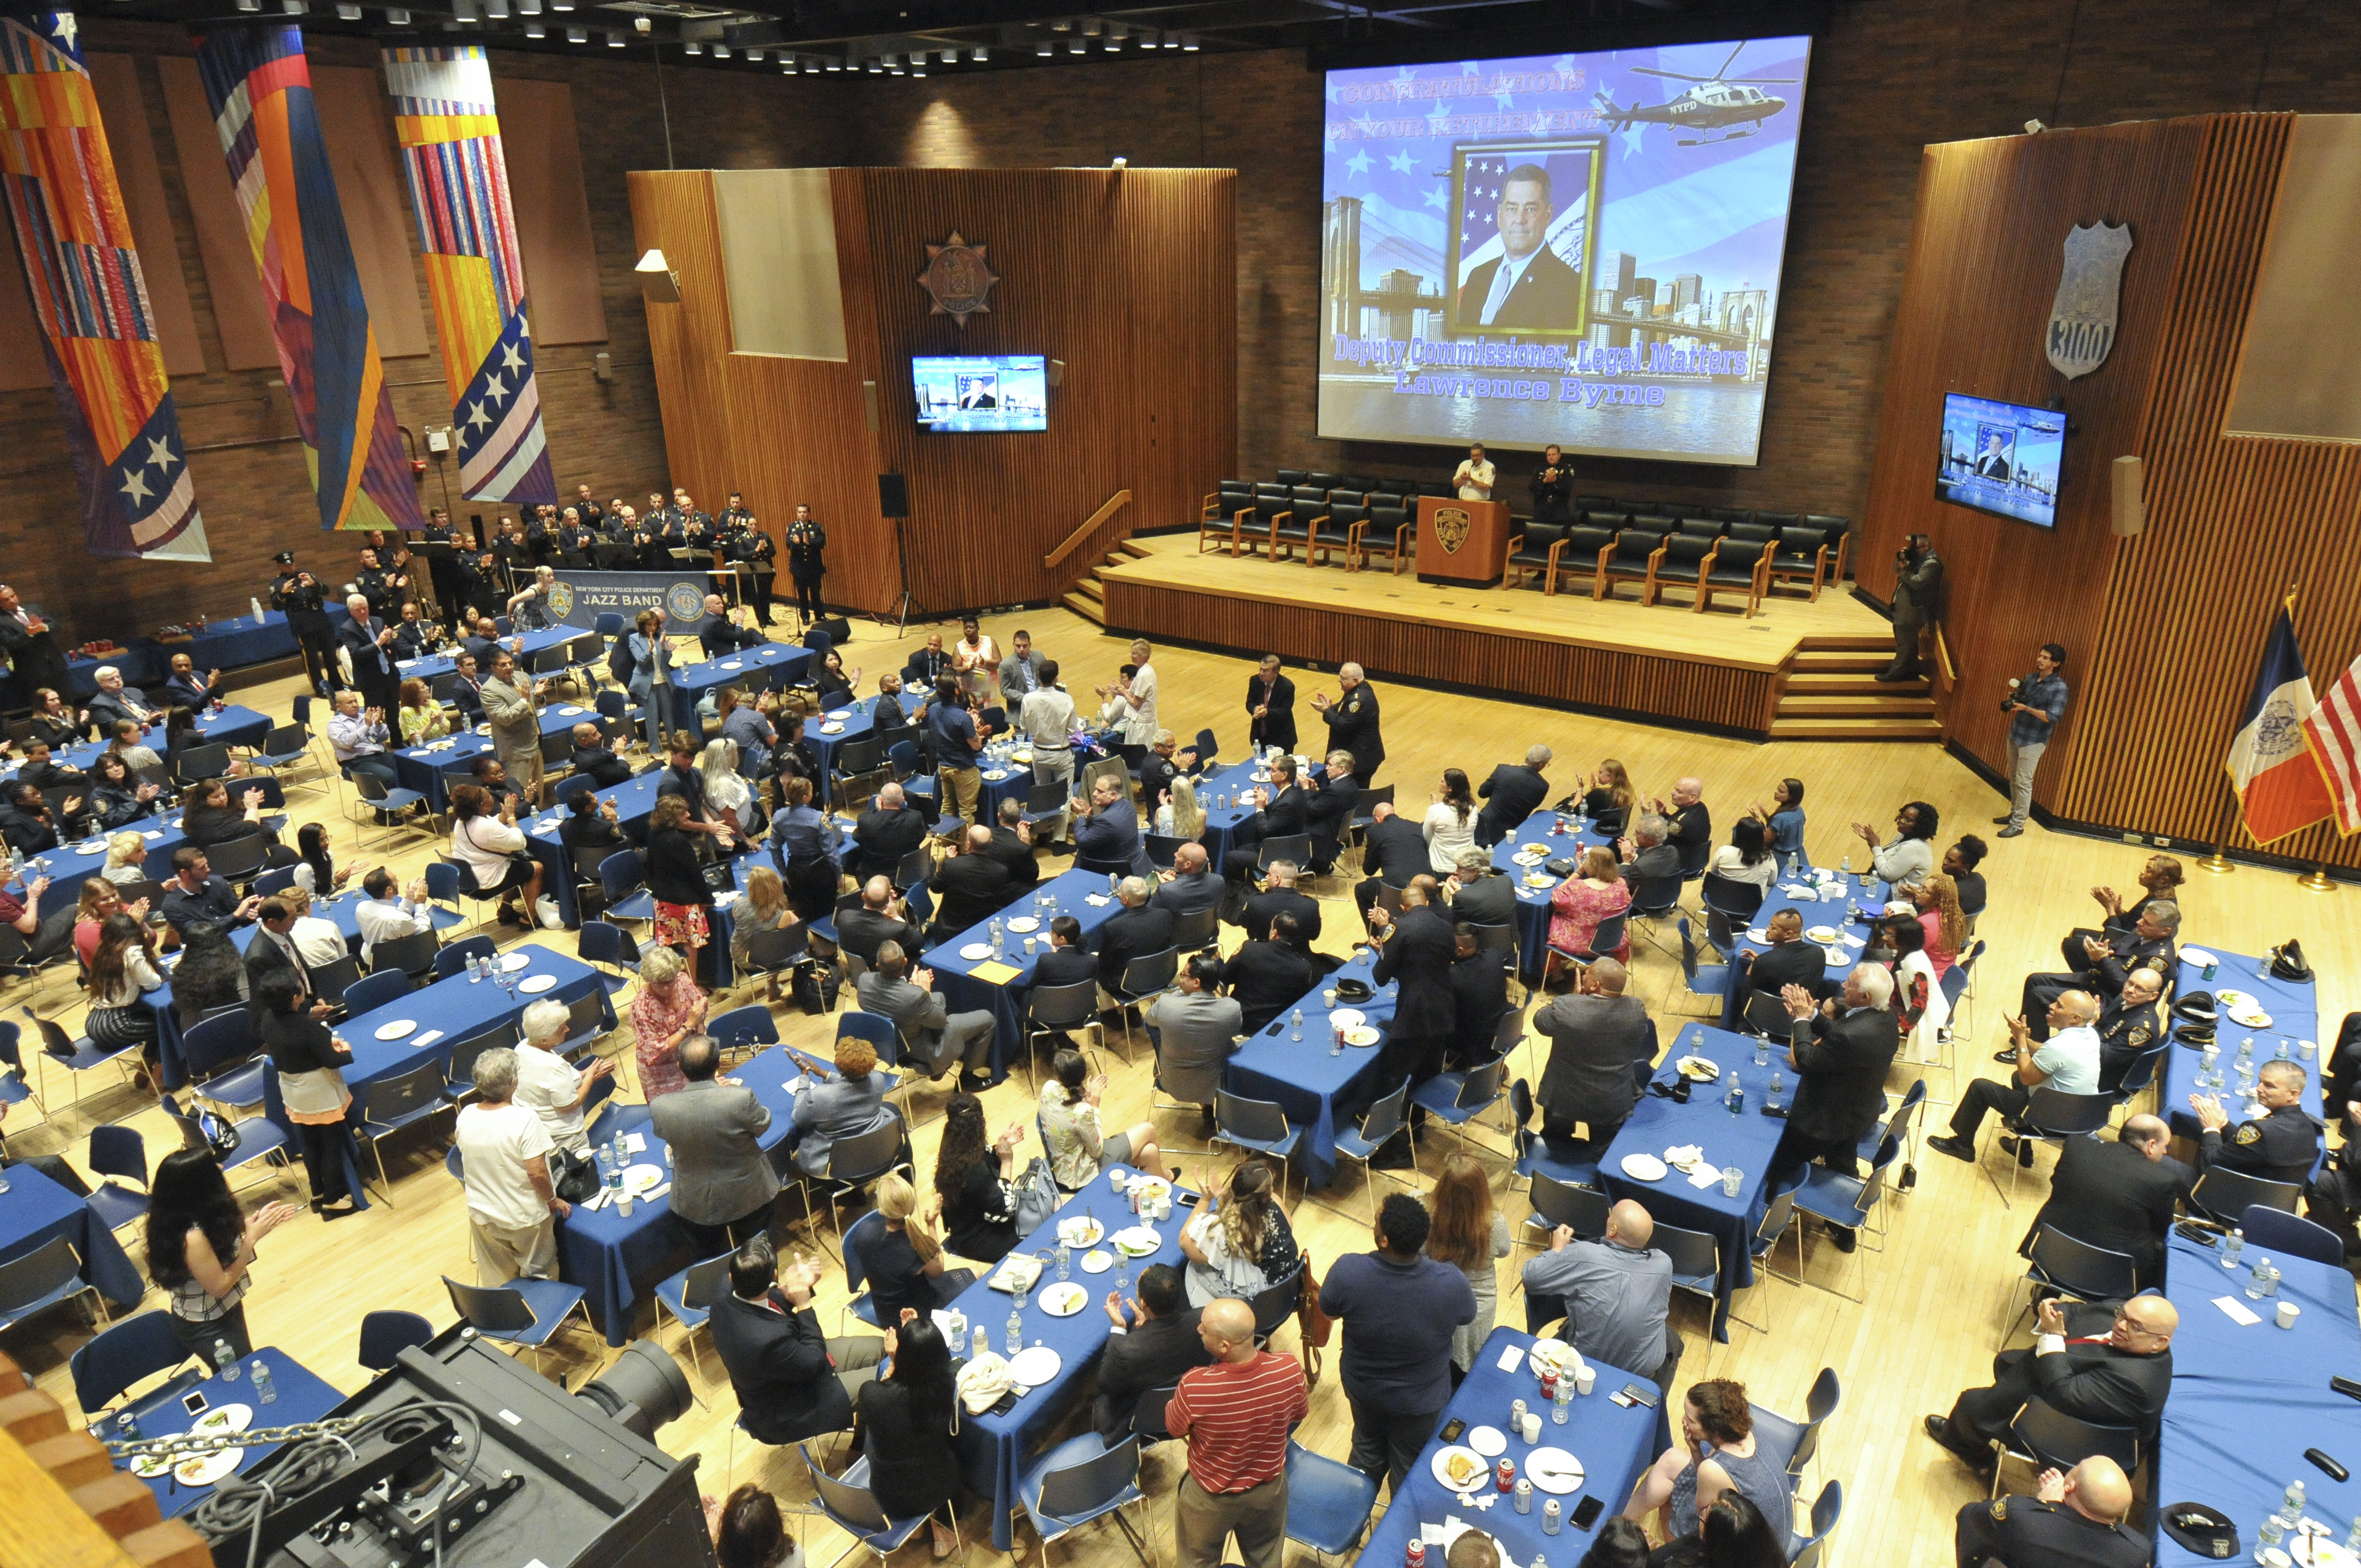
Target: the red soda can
(1415, 1556)
(1505, 1474)
(1549, 1385)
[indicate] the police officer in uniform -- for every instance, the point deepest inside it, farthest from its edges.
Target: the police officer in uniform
(2279, 1145)
(574, 539)
(1352, 718)
(299, 595)
(375, 586)
(806, 540)
(442, 567)
(752, 547)
(1553, 487)
(2128, 1026)
(2073, 1520)
(2110, 957)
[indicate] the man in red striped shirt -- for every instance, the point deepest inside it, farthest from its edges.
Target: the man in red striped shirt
(1235, 1414)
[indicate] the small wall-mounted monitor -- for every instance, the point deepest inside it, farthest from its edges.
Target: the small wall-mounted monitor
(983, 391)
(2002, 458)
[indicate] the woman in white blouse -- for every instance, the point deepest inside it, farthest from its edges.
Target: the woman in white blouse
(726, 789)
(1450, 822)
(1747, 856)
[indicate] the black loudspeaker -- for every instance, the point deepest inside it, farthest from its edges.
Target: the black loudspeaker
(893, 495)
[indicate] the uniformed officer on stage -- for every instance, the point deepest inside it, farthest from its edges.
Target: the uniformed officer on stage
(1352, 718)
(2280, 1144)
(299, 595)
(2112, 957)
(750, 548)
(806, 563)
(2073, 1520)
(1553, 487)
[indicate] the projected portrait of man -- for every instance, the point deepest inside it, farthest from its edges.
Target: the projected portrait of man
(1994, 463)
(976, 392)
(1527, 286)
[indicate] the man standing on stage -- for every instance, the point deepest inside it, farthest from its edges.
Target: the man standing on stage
(1917, 598)
(805, 540)
(1553, 487)
(1474, 476)
(298, 595)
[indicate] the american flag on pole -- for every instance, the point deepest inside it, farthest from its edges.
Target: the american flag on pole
(2332, 733)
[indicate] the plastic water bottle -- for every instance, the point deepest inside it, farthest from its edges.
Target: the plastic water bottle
(2232, 1248)
(1065, 1261)
(983, 1342)
(1565, 1397)
(1735, 1101)
(1112, 882)
(2268, 1534)
(1778, 1087)
(1844, 870)
(255, 605)
(1761, 1051)
(2259, 1279)
(224, 1361)
(2291, 1503)
(2247, 1048)
(1295, 1026)
(1015, 1341)
(2352, 1542)
(3, 1180)
(475, 970)
(263, 1391)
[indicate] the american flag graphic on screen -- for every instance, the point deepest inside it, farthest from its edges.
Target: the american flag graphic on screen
(450, 135)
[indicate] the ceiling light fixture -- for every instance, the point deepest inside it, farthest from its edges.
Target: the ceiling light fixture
(721, 52)
(1189, 43)
(1077, 46)
(755, 55)
(811, 68)
(528, 7)
(347, 12)
(536, 31)
(950, 56)
(692, 47)
(1045, 50)
(1090, 26)
(578, 35)
(979, 54)
(614, 40)
(461, 10)
(397, 18)
(292, 7)
(497, 9)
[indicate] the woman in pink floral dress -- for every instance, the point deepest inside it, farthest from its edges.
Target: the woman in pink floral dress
(668, 1009)
(1582, 901)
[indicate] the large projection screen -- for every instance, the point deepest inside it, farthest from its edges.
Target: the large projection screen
(1578, 249)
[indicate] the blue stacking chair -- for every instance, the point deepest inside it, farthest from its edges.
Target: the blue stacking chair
(1328, 1502)
(1826, 1510)
(372, 991)
(41, 1278)
(1703, 980)
(689, 1297)
(223, 1059)
(80, 1056)
(386, 1335)
(1839, 1200)
(275, 881)
(525, 1312)
(1459, 1098)
(856, 1278)
(604, 942)
(1532, 1155)
(622, 877)
(1258, 1125)
(1582, 1209)
(2276, 1231)
(106, 1367)
(1790, 1444)
(398, 1103)
(847, 1503)
(1081, 1479)
(744, 1029)
(1378, 1124)
(450, 961)
(116, 1150)
(258, 1137)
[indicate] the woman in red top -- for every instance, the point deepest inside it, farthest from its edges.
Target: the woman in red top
(668, 1009)
(1582, 901)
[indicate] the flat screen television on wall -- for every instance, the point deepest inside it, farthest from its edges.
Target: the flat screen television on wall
(982, 391)
(2002, 458)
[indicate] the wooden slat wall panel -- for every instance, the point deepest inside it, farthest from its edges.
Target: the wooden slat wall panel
(672, 211)
(783, 413)
(1683, 691)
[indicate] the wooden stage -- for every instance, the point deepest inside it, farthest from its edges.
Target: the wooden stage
(1720, 671)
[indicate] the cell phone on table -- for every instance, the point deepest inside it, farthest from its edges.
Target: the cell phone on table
(1191, 1200)
(193, 1402)
(1451, 1433)
(1639, 1395)
(1587, 1512)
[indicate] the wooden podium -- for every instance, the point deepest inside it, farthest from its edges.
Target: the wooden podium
(1461, 543)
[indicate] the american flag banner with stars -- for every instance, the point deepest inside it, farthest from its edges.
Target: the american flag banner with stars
(97, 330)
(449, 128)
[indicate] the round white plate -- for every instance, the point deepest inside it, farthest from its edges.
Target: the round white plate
(537, 984)
(1540, 879)
(976, 950)
(995, 774)
(1489, 1441)
(2197, 956)
(1034, 1365)
(1554, 1470)
(1350, 1017)
(1140, 1241)
(2252, 1017)
(1822, 934)
(1474, 1471)
(224, 1418)
(2225, 1000)
(204, 1472)
(1023, 923)
(396, 1030)
(570, 712)
(1064, 1298)
(840, 713)
(1837, 955)
(1362, 1035)
(91, 846)
(1643, 1168)
(148, 1466)
(1081, 1231)
(733, 664)
(1261, 776)
(1756, 934)
(511, 962)
(831, 728)
(152, 833)
(638, 1178)
(1098, 1260)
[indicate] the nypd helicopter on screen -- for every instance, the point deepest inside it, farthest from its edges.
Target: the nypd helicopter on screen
(1718, 108)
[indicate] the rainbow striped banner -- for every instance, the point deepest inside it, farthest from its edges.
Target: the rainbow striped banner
(259, 87)
(98, 329)
(450, 135)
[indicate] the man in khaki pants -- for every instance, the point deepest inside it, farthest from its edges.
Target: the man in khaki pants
(1235, 1414)
(513, 706)
(513, 1208)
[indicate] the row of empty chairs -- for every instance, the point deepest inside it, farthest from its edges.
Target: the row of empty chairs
(1733, 552)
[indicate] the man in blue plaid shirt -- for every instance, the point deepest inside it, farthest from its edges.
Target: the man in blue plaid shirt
(2035, 705)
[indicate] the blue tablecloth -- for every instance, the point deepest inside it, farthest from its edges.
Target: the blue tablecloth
(233, 726)
(2294, 1012)
(1070, 892)
(2247, 1402)
(68, 867)
(1304, 1079)
(859, 719)
(767, 668)
(237, 642)
(426, 669)
(1834, 907)
(611, 1255)
(1745, 1141)
(1533, 902)
(995, 1448)
(34, 1210)
(300, 1395)
(1616, 1444)
(1231, 784)
(429, 772)
(142, 663)
(634, 800)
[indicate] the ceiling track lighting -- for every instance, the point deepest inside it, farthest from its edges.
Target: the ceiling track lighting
(250, 5)
(721, 52)
(1046, 49)
(1189, 43)
(536, 31)
(397, 18)
(578, 35)
(1091, 26)
(692, 48)
(1077, 46)
(614, 40)
(979, 54)
(497, 9)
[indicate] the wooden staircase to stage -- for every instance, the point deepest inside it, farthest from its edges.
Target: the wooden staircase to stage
(1832, 693)
(1087, 599)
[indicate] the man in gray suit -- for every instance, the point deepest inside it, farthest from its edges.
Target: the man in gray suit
(1194, 1028)
(722, 1183)
(865, 930)
(1645, 852)
(1479, 897)
(936, 1039)
(1190, 887)
(1598, 1038)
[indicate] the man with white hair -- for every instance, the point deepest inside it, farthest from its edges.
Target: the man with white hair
(2066, 1062)
(114, 702)
(1352, 718)
(1511, 794)
(545, 1084)
(1136, 931)
(1840, 1053)
(512, 1207)
(367, 642)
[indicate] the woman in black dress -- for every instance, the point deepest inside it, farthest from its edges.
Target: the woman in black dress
(906, 1419)
(677, 880)
(974, 1177)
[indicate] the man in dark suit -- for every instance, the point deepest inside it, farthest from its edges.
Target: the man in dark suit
(1278, 815)
(1153, 1342)
(1479, 999)
(887, 832)
(1417, 951)
(2118, 1195)
(2128, 1026)
(1841, 1054)
(1106, 829)
(1270, 974)
(1328, 813)
(861, 931)
(1167, 760)
(1352, 718)
(2108, 959)
(792, 1381)
(1190, 887)
(30, 647)
(2116, 1373)
(1138, 931)
(593, 760)
(1511, 794)
(1597, 1038)
(1392, 851)
(968, 886)
(2281, 1145)
(1789, 960)
(367, 644)
(1278, 897)
(1270, 707)
(272, 949)
(1012, 846)
(1480, 895)
(719, 635)
(1528, 285)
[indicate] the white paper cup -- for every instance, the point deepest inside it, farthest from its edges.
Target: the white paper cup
(1732, 1178)
(1586, 1378)
(2289, 1312)
(2304, 1049)
(1531, 1427)
(1115, 1179)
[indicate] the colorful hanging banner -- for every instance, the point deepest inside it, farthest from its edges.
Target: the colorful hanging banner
(259, 87)
(450, 135)
(97, 330)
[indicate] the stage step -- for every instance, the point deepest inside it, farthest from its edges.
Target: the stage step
(1089, 610)
(1091, 588)
(1129, 549)
(1848, 642)
(1878, 706)
(1828, 683)
(1835, 663)
(1855, 729)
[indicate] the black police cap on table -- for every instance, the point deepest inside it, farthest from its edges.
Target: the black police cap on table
(2205, 1531)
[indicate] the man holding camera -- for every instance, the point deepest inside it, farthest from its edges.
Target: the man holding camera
(2033, 705)
(1918, 593)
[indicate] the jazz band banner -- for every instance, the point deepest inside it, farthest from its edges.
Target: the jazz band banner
(98, 331)
(450, 135)
(581, 598)
(258, 86)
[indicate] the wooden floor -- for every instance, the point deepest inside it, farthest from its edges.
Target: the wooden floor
(1925, 1329)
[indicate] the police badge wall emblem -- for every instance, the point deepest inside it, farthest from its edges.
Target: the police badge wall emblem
(958, 279)
(2082, 317)
(561, 599)
(1451, 526)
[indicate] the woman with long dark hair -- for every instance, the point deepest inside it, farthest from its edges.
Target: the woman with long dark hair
(200, 1248)
(1736, 1534)
(976, 1178)
(118, 798)
(1611, 798)
(1747, 856)
(315, 867)
(1450, 822)
(1620, 1544)
(1244, 1247)
(311, 1085)
(211, 975)
(122, 971)
(906, 1419)
(748, 1532)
